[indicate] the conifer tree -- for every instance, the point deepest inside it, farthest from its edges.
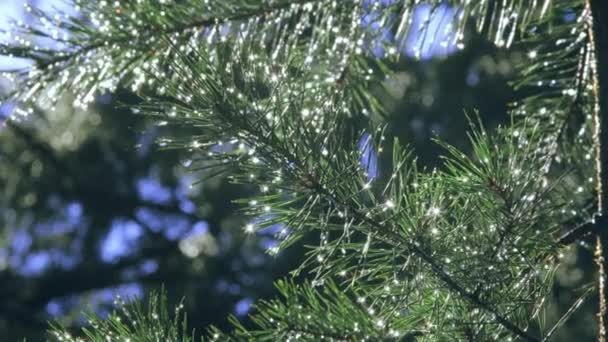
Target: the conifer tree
(282, 94)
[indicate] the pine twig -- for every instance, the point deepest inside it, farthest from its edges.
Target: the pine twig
(598, 35)
(575, 306)
(153, 32)
(437, 269)
(576, 233)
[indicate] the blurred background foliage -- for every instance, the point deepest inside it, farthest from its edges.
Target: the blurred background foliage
(91, 207)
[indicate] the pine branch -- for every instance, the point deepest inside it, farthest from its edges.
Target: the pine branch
(133, 321)
(118, 51)
(130, 43)
(317, 162)
(330, 314)
(436, 267)
(284, 90)
(269, 139)
(150, 32)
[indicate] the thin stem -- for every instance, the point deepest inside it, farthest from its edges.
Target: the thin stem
(576, 233)
(575, 306)
(598, 36)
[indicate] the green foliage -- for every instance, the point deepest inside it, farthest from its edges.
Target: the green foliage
(134, 322)
(107, 44)
(308, 314)
(277, 94)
